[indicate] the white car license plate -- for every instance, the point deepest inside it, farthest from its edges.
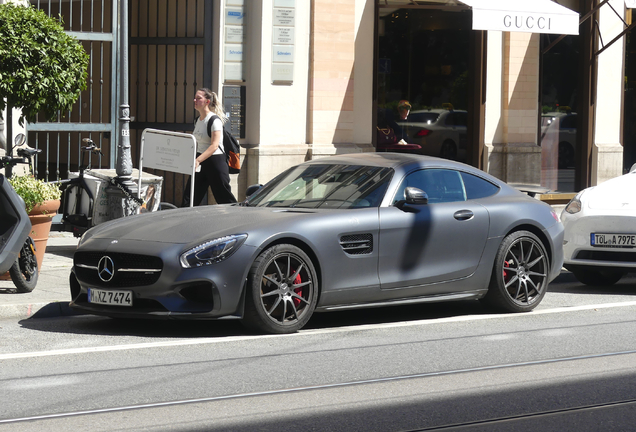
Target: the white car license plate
(110, 297)
(613, 240)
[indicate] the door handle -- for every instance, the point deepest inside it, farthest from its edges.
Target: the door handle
(463, 215)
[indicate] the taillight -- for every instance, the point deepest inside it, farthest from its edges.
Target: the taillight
(423, 133)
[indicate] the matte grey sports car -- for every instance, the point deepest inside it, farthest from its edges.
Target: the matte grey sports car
(348, 231)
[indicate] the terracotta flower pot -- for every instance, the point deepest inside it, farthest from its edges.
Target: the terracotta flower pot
(41, 220)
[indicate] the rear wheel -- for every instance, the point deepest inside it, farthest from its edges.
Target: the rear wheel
(24, 272)
(520, 274)
(448, 150)
(282, 290)
(597, 277)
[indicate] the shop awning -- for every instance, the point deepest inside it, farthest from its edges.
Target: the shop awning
(533, 16)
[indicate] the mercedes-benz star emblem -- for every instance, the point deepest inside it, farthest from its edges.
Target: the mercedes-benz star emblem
(106, 269)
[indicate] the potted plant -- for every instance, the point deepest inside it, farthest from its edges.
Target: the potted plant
(41, 200)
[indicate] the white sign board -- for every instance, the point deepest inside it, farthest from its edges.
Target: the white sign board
(283, 53)
(234, 52)
(168, 151)
(234, 16)
(284, 17)
(283, 35)
(233, 34)
(283, 43)
(630, 4)
(528, 22)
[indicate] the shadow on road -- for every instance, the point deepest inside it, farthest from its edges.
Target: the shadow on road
(566, 283)
(65, 251)
(96, 325)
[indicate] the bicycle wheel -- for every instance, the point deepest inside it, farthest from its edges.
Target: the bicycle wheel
(24, 271)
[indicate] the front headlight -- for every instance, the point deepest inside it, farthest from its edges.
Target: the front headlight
(212, 252)
(574, 206)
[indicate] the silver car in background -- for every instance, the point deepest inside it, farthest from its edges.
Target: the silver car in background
(440, 132)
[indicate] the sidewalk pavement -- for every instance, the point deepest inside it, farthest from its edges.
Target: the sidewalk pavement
(51, 295)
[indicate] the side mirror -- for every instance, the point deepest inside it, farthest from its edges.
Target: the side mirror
(19, 140)
(413, 196)
(251, 190)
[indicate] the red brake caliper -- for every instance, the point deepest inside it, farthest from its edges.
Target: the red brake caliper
(298, 291)
(505, 274)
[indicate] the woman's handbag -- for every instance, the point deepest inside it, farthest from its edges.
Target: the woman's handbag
(386, 136)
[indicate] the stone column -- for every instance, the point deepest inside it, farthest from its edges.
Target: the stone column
(515, 155)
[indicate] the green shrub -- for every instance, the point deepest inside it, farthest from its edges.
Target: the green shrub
(42, 69)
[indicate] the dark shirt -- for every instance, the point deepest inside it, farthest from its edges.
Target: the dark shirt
(392, 118)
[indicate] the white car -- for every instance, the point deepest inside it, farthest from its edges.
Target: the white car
(440, 132)
(566, 135)
(600, 231)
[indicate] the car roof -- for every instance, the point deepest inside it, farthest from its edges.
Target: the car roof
(396, 160)
(406, 162)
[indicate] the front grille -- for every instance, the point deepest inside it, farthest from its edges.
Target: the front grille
(616, 256)
(357, 244)
(140, 270)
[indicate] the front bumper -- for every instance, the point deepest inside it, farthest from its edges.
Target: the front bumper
(579, 252)
(212, 291)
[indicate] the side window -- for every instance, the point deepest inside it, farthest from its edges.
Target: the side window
(440, 185)
(477, 187)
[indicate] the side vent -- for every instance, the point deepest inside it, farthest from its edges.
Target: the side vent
(357, 244)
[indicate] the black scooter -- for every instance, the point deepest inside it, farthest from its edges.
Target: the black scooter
(17, 251)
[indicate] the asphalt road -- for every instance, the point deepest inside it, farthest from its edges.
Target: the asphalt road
(570, 365)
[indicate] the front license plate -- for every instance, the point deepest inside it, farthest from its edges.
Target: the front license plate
(613, 240)
(110, 297)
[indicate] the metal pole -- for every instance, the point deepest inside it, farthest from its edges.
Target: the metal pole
(119, 204)
(9, 128)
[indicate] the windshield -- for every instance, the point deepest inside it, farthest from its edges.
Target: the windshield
(325, 186)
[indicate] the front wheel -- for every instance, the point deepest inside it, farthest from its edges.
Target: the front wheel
(24, 272)
(282, 290)
(520, 273)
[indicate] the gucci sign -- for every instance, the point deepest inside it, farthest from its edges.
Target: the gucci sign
(527, 23)
(540, 16)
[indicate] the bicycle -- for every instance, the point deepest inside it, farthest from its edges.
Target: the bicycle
(76, 216)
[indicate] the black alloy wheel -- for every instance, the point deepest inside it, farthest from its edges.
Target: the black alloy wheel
(282, 290)
(520, 274)
(24, 272)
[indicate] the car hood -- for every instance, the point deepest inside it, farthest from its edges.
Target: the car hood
(614, 194)
(184, 226)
